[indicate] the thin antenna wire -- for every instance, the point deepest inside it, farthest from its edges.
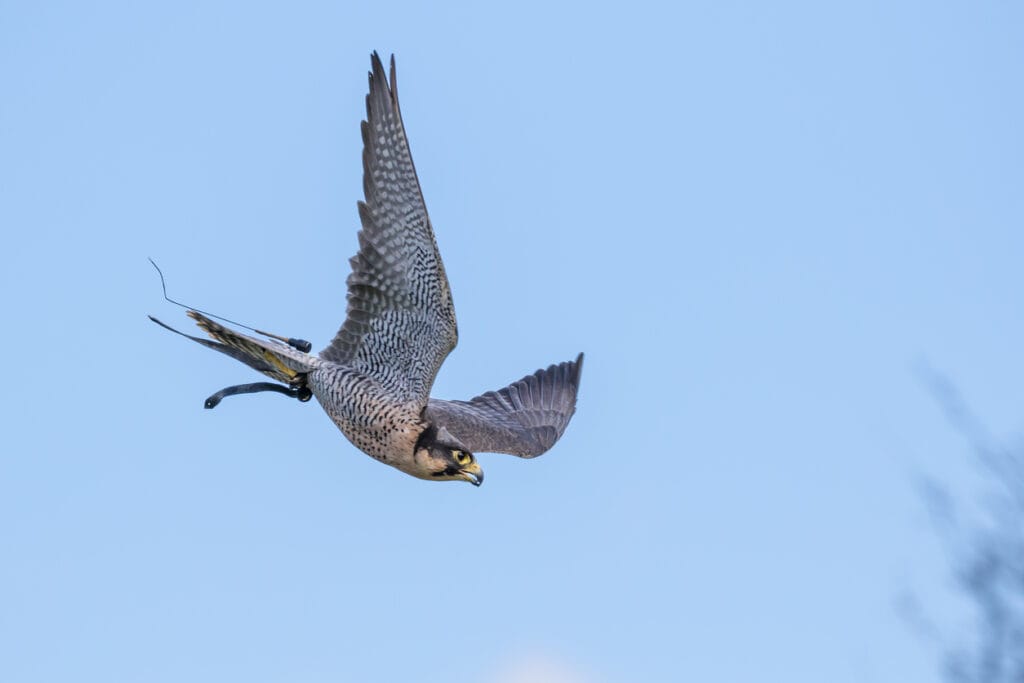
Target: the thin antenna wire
(163, 285)
(300, 344)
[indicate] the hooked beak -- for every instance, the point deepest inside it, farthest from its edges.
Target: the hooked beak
(473, 474)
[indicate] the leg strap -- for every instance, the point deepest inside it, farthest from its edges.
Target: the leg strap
(302, 393)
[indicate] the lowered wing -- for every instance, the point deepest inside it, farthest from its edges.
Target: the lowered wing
(525, 418)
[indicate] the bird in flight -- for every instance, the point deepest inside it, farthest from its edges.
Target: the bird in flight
(375, 376)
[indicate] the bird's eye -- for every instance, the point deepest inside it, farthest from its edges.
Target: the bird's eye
(462, 457)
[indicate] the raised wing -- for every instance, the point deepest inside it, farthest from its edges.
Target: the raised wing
(525, 418)
(401, 320)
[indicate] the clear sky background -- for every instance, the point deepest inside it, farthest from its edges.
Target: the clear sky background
(759, 221)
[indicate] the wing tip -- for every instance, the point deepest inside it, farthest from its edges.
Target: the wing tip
(577, 369)
(376, 65)
(381, 87)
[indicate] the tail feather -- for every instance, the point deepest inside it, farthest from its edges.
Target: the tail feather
(273, 359)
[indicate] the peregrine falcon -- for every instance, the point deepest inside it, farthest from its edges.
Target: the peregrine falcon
(375, 376)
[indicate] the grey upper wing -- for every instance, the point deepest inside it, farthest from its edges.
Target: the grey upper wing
(525, 418)
(401, 320)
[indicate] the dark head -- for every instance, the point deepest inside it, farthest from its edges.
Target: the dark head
(440, 457)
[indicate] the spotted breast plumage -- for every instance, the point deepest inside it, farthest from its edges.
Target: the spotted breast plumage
(375, 376)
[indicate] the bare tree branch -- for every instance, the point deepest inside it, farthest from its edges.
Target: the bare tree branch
(987, 554)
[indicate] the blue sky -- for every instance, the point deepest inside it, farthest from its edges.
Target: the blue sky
(759, 221)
